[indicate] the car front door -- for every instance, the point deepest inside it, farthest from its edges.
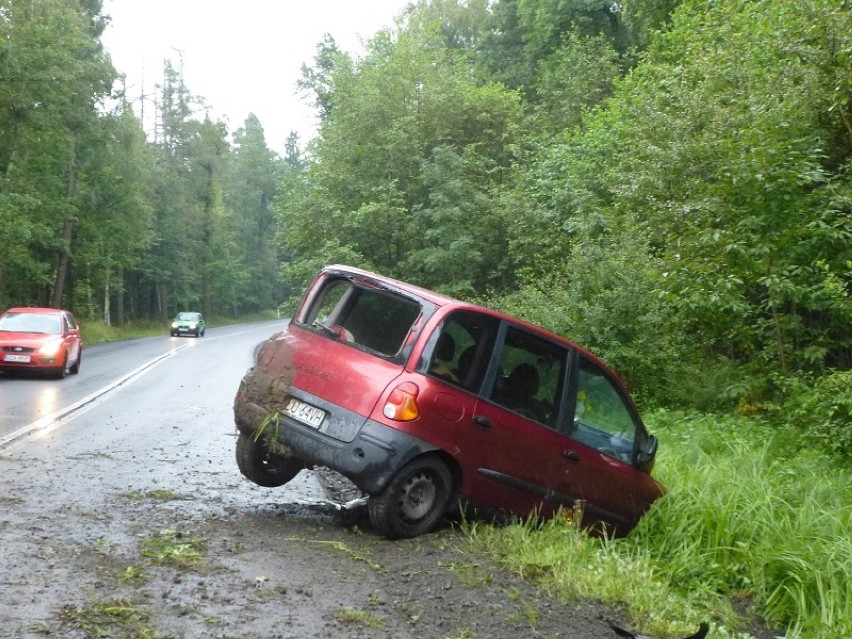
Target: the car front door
(71, 334)
(604, 430)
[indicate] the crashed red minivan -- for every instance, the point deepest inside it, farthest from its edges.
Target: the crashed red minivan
(426, 402)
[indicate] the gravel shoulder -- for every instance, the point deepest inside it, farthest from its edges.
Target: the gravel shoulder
(179, 559)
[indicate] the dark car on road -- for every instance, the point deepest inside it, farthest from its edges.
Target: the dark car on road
(426, 402)
(188, 323)
(40, 339)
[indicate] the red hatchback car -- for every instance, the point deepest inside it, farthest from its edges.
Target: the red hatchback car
(426, 402)
(40, 339)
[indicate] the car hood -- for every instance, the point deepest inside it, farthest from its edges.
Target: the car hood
(26, 340)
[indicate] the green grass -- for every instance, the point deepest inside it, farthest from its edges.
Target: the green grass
(352, 616)
(110, 618)
(744, 520)
(174, 548)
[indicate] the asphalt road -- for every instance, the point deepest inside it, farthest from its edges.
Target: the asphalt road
(141, 415)
(138, 375)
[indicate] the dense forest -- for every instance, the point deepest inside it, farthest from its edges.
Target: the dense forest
(666, 182)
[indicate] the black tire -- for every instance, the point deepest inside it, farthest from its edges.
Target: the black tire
(415, 501)
(76, 368)
(203, 331)
(59, 373)
(262, 467)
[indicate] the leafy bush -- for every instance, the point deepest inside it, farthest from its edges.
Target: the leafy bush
(822, 410)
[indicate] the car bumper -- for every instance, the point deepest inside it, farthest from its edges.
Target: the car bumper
(369, 460)
(35, 363)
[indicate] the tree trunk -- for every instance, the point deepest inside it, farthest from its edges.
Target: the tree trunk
(68, 225)
(119, 297)
(64, 259)
(107, 319)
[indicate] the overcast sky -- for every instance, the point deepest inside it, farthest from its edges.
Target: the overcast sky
(241, 57)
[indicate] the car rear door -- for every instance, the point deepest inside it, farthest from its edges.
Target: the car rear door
(521, 404)
(509, 453)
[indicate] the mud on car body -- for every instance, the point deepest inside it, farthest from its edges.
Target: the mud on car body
(424, 401)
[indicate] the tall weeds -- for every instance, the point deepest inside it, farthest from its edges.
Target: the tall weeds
(743, 523)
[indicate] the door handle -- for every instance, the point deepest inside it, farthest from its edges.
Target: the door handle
(483, 422)
(571, 455)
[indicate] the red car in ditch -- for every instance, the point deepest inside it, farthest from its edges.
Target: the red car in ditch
(426, 402)
(40, 339)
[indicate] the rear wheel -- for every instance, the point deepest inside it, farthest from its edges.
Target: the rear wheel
(262, 467)
(415, 500)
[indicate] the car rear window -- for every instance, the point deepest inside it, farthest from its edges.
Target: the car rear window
(366, 315)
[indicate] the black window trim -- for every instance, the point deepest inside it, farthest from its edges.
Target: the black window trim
(309, 307)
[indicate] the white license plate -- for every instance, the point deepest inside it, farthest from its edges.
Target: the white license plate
(305, 413)
(24, 359)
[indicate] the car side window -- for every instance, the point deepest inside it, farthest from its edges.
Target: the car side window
(530, 376)
(461, 348)
(602, 418)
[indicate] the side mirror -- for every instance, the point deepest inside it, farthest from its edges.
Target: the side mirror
(647, 453)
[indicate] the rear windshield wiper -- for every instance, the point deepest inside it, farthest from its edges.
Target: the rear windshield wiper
(325, 330)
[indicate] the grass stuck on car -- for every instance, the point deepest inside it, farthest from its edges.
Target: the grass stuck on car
(428, 403)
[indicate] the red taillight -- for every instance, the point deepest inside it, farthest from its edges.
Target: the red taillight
(401, 405)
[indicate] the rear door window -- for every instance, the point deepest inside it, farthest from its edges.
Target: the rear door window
(460, 350)
(530, 376)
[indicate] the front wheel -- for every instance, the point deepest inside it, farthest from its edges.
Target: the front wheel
(76, 367)
(263, 467)
(415, 500)
(59, 373)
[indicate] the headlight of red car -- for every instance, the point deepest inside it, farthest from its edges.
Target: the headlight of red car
(50, 348)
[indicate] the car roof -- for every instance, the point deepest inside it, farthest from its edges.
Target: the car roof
(34, 309)
(439, 299)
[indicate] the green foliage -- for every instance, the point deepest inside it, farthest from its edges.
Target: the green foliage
(604, 299)
(404, 169)
(777, 533)
(822, 409)
(174, 548)
(99, 219)
(740, 198)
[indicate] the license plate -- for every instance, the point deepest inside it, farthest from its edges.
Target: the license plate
(305, 413)
(24, 359)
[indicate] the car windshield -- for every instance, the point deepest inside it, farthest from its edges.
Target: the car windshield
(46, 323)
(187, 317)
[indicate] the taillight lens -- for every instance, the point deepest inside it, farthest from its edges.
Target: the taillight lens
(402, 405)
